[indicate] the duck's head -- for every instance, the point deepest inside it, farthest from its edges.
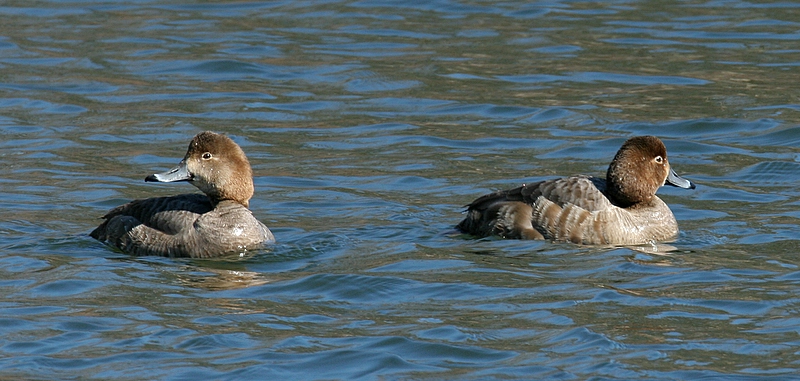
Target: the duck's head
(639, 169)
(217, 166)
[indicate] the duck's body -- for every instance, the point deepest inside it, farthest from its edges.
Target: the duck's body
(584, 209)
(193, 225)
(185, 225)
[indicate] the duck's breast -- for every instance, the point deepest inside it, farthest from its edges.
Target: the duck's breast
(232, 227)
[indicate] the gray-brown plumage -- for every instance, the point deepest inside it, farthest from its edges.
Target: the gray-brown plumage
(193, 225)
(620, 209)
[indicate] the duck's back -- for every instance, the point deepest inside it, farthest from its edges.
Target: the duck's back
(572, 209)
(583, 191)
(166, 214)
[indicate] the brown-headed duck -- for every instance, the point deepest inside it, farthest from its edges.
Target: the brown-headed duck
(193, 225)
(621, 209)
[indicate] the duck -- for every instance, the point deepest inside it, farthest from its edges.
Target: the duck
(620, 209)
(211, 224)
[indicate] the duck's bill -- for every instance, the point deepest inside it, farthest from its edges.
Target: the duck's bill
(677, 181)
(179, 173)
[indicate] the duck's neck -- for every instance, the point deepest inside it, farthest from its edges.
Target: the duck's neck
(216, 201)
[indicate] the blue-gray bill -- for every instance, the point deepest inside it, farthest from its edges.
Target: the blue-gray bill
(677, 181)
(179, 173)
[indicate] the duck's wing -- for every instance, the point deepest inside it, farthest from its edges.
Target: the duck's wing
(150, 226)
(582, 191)
(505, 213)
(534, 210)
(166, 214)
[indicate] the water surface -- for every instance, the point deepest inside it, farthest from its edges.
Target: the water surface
(369, 125)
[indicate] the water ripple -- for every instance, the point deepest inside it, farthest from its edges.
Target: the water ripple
(369, 125)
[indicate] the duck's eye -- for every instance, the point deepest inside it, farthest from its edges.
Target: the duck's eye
(659, 160)
(207, 156)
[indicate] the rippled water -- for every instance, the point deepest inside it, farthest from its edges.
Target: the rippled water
(369, 125)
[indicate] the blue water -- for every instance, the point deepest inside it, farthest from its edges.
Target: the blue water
(369, 125)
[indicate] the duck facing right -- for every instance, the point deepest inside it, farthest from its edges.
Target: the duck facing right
(621, 209)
